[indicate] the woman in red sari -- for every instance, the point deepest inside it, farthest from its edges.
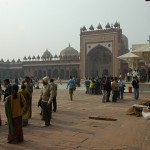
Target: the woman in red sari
(14, 106)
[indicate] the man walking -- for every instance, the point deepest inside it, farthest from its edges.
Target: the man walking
(87, 85)
(135, 84)
(72, 86)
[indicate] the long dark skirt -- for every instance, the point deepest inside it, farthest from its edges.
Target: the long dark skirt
(18, 131)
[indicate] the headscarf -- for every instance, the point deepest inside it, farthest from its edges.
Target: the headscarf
(45, 79)
(15, 88)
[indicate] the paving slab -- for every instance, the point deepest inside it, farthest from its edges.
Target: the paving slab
(73, 130)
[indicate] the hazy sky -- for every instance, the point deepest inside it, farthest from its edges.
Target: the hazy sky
(29, 27)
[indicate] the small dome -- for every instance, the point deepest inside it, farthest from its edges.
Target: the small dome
(107, 25)
(116, 25)
(2, 60)
(47, 54)
(69, 51)
(29, 57)
(24, 58)
(33, 57)
(38, 57)
(8, 61)
(13, 61)
(55, 56)
(18, 60)
(99, 26)
(91, 27)
(84, 28)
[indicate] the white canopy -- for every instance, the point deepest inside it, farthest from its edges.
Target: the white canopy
(129, 55)
(145, 48)
(143, 52)
(132, 59)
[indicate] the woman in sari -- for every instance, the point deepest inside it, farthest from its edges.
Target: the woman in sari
(14, 106)
(26, 113)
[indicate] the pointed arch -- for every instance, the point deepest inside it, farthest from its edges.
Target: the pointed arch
(99, 59)
(55, 74)
(74, 73)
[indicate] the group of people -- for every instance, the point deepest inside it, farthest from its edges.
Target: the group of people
(112, 85)
(108, 85)
(18, 104)
(93, 86)
(142, 75)
(104, 86)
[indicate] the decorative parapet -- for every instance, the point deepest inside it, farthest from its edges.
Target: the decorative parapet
(99, 28)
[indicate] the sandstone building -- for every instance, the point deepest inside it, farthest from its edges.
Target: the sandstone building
(99, 49)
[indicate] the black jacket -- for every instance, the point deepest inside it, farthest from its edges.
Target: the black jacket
(135, 83)
(108, 86)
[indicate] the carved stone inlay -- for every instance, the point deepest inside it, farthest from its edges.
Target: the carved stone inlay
(107, 45)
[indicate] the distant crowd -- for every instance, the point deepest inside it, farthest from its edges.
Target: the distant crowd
(104, 86)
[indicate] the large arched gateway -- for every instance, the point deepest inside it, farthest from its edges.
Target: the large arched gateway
(99, 50)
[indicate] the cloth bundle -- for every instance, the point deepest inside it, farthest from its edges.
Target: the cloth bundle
(140, 109)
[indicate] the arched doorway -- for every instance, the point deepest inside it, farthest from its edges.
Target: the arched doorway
(67, 74)
(5, 74)
(55, 74)
(99, 62)
(40, 74)
(49, 73)
(74, 73)
(10, 74)
(35, 73)
(143, 75)
(44, 73)
(61, 74)
(15, 74)
(22, 74)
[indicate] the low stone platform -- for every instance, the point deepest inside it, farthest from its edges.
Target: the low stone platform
(72, 129)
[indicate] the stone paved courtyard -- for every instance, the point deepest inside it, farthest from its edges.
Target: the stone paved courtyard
(72, 129)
